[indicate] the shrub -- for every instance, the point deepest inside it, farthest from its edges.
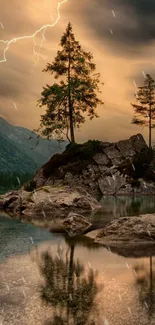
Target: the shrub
(30, 186)
(75, 158)
(140, 166)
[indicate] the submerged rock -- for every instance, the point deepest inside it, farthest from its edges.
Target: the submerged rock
(76, 224)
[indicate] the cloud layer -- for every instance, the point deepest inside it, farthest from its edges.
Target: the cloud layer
(119, 33)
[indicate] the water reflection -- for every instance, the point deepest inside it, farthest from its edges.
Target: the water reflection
(121, 206)
(145, 283)
(53, 287)
(68, 287)
(128, 205)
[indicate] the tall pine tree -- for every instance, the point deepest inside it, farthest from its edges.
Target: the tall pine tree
(69, 101)
(145, 112)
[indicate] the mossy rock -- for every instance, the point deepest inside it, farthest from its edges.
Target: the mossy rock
(57, 186)
(43, 188)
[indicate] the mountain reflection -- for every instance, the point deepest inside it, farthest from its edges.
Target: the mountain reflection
(145, 283)
(122, 206)
(69, 288)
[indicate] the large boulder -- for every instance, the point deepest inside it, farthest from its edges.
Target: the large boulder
(138, 142)
(130, 249)
(51, 202)
(113, 154)
(126, 148)
(128, 231)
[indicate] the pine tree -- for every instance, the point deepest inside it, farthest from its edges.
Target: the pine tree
(69, 101)
(145, 113)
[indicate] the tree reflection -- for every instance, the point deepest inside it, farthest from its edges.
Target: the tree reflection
(68, 288)
(145, 281)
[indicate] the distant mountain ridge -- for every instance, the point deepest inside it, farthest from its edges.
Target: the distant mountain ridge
(21, 150)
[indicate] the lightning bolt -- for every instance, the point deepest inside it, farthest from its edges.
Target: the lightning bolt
(37, 55)
(42, 29)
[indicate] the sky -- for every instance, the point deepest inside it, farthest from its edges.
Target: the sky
(119, 33)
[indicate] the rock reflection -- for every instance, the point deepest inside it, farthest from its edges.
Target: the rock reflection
(145, 283)
(69, 288)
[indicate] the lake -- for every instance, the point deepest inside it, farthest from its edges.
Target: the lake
(50, 279)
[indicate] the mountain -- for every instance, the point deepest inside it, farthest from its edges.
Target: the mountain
(21, 151)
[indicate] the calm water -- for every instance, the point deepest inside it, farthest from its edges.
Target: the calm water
(49, 279)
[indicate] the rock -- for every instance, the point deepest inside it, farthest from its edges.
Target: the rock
(9, 198)
(105, 144)
(75, 224)
(68, 176)
(126, 148)
(127, 249)
(102, 168)
(138, 142)
(93, 234)
(15, 200)
(112, 153)
(50, 202)
(101, 159)
(111, 184)
(128, 231)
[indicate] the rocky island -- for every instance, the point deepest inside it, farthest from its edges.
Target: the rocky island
(70, 185)
(102, 168)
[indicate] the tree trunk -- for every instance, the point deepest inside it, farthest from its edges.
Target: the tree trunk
(70, 104)
(71, 123)
(150, 131)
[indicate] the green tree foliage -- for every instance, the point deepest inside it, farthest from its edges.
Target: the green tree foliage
(145, 112)
(142, 166)
(69, 101)
(13, 181)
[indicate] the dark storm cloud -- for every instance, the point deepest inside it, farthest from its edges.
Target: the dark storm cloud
(143, 8)
(133, 27)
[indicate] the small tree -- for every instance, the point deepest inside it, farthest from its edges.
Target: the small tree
(145, 113)
(74, 95)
